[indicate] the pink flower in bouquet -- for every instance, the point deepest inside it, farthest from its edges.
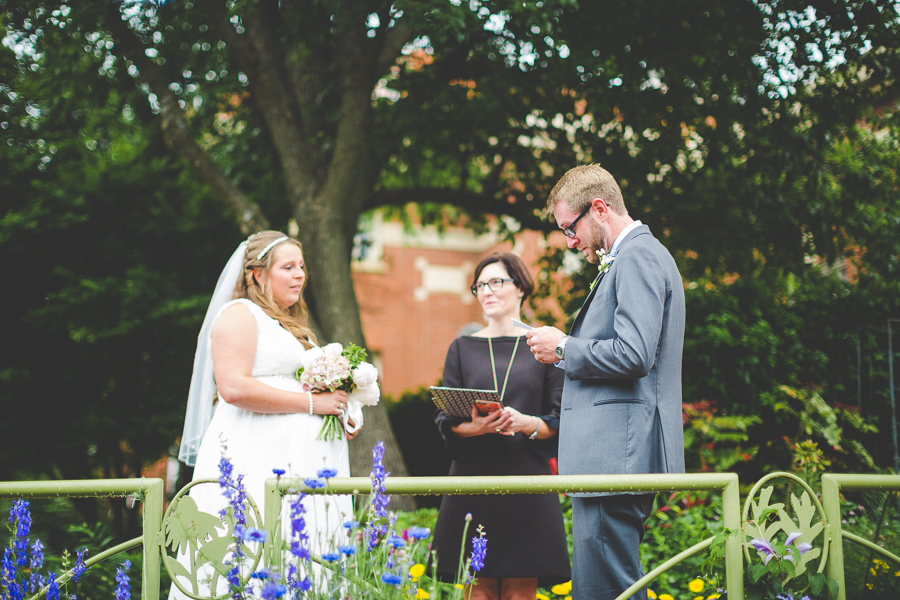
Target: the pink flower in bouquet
(326, 372)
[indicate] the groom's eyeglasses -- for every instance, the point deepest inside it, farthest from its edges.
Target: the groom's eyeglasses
(570, 230)
(495, 285)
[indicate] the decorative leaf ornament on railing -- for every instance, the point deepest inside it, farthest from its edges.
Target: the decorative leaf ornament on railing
(786, 547)
(203, 545)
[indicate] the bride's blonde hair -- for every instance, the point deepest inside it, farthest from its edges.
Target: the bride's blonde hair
(295, 318)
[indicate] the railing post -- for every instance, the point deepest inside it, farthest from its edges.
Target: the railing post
(271, 512)
(152, 491)
(831, 502)
(734, 558)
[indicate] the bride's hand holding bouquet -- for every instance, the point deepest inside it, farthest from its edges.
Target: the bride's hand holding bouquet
(333, 367)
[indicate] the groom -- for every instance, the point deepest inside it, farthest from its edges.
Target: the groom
(621, 404)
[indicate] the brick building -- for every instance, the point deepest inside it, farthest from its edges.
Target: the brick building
(414, 298)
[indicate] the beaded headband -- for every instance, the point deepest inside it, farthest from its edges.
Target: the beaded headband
(271, 245)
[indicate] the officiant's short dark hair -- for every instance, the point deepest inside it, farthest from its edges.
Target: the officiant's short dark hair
(514, 266)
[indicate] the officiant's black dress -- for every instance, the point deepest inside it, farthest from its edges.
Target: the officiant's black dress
(526, 535)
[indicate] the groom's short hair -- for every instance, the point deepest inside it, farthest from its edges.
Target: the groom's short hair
(581, 185)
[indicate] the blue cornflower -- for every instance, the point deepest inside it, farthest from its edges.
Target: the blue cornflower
(419, 533)
(273, 590)
(254, 535)
(123, 590)
(79, 568)
(53, 588)
(313, 483)
(391, 579)
(278, 472)
(331, 556)
(327, 473)
(396, 542)
(21, 517)
(259, 574)
(347, 549)
(351, 524)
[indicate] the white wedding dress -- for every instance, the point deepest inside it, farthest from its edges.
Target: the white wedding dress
(256, 443)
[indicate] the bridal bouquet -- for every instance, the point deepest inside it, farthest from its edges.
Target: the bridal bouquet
(332, 368)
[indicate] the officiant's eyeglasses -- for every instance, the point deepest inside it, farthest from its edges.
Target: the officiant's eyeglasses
(495, 285)
(570, 230)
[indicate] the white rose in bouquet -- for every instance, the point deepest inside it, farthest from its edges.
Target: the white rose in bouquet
(310, 356)
(333, 349)
(365, 375)
(367, 396)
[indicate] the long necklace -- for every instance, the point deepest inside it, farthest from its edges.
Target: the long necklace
(508, 369)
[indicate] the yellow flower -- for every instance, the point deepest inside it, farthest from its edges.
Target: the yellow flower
(696, 585)
(416, 571)
(713, 596)
(562, 589)
(459, 587)
(421, 594)
(665, 597)
(540, 596)
(698, 597)
(651, 595)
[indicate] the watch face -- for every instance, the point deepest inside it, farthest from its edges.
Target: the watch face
(560, 352)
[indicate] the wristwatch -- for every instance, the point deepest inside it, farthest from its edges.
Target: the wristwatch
(561, 348)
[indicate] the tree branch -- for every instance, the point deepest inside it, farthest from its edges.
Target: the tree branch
(255, 53)
(524, 212)
(176, 131)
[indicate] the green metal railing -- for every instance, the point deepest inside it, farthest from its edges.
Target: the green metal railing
(150, 491)
(832, 485)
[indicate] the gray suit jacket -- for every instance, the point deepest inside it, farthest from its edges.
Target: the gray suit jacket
(621, 402)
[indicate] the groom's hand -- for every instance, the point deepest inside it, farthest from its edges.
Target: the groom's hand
(543, 341)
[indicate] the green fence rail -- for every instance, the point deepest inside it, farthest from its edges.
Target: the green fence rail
(737, 551)
(149, 491)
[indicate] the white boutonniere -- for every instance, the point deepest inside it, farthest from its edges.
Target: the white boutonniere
(606, 261)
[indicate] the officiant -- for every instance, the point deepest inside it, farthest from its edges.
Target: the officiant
(527, 540)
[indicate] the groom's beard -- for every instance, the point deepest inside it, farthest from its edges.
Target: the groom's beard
(597, 241)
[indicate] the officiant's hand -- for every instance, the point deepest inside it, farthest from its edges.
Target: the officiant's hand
(495, 422)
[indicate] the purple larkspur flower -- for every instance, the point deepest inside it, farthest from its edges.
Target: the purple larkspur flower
(381, 500)
(20, 516)
(479, 551)
(123, 589)
(53, 588)
(36, 581)
(8, 576)
(79, 568)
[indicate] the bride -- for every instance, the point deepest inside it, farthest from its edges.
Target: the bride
(248, 353)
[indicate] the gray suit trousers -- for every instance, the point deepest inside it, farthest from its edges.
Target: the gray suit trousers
(608, 531)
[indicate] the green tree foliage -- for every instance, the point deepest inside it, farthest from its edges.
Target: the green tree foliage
(751, 137)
